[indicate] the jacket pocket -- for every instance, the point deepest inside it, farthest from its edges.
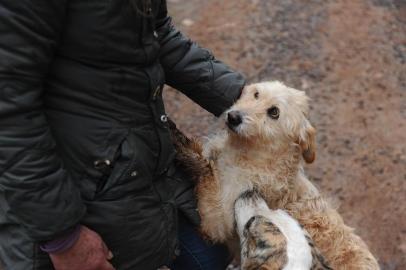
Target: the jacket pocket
(130, 175)
(122, 155)
(94, 179)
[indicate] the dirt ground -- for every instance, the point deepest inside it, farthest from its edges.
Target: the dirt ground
(350, 57)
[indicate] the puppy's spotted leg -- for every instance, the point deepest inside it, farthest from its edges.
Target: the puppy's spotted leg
(271, 239)
(263, 246)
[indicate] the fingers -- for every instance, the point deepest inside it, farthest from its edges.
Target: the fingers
(109, 255)
(105, 248)
(104, 264)
(108, 266)
(105, 254)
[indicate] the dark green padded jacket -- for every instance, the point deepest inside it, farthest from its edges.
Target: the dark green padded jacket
(83, 130)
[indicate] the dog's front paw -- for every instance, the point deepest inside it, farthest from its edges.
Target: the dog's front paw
(189, 154)
(179, 139)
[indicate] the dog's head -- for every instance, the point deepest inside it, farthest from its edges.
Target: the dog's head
(272, 113)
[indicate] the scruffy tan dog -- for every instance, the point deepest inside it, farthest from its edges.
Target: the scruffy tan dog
(267, 139)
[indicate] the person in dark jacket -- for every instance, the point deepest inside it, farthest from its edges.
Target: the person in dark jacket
(87, 179)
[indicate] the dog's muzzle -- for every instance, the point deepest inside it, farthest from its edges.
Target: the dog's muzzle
(234, 119)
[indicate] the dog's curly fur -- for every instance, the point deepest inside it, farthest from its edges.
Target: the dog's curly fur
(266, 153)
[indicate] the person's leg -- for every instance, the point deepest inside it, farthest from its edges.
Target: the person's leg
(195, 253)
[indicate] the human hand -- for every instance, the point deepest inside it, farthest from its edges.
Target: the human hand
(88, 253)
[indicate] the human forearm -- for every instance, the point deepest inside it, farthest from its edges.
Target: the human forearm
(194, 70)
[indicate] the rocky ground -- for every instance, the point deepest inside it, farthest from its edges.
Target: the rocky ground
(350, 57)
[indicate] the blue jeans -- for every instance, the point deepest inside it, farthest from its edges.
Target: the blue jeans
(195, 253)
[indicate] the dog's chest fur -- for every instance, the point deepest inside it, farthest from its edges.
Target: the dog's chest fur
(244, 170)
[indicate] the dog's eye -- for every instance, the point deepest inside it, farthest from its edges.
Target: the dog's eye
(273, 112)
(256, 95)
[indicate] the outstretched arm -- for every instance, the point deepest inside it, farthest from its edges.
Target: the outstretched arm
(194, 70)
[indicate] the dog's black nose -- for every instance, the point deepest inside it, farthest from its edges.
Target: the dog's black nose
(234, 118)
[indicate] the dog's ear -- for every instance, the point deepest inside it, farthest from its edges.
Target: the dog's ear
(307, 141)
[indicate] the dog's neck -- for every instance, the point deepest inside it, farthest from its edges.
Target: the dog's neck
(280, 166)
(265, 154)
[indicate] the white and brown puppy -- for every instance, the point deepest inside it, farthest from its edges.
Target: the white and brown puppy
(267, 141)
(272, 239)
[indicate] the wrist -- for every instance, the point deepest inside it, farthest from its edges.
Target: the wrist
(62, 243)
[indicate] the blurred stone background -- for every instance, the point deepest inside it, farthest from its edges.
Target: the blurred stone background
(349, 56)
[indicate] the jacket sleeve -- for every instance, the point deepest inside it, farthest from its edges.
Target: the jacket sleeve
(35, 189)
(194, 71)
